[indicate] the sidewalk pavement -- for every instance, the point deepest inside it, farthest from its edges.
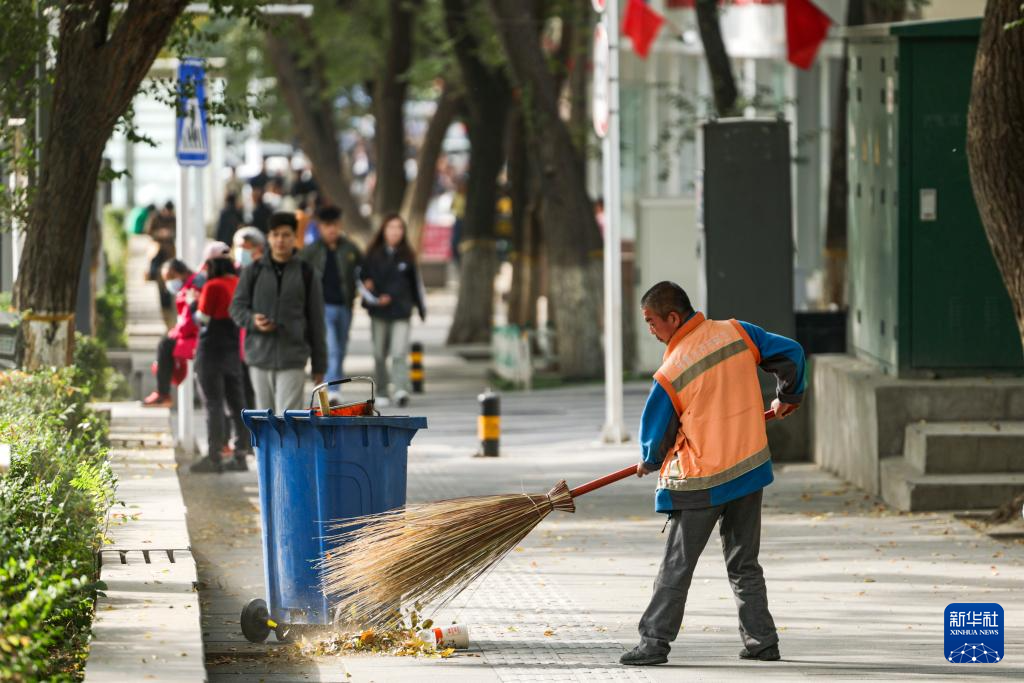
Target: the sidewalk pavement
(856, 589)
(147, 618)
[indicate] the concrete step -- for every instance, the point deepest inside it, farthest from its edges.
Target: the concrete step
(907, 488)
(965, 447)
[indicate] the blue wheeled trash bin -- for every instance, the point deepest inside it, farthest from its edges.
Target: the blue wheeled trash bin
(314, 470)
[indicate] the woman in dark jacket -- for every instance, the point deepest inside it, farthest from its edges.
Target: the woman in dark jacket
(391, 288)
(219, 366)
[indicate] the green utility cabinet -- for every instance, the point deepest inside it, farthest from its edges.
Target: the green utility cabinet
(926, 298)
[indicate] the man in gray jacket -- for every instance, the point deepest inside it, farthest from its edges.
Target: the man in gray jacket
(280, 305)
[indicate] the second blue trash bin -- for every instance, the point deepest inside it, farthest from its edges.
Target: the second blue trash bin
(312, 471)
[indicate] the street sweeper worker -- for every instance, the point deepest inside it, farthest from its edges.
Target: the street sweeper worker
(703, 431)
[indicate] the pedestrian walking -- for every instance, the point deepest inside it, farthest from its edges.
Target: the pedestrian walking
(161, 228)
(261, 211)
(219, 366)
(459, 212)
(703, 430)
(391, 288)
(179, 345)
(336, 260)
(279, 303)
(230, 218)
(248, 246)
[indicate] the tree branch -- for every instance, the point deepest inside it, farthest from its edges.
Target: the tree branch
(723, 84)
(135, 43)
(102, 22)
(467, 49)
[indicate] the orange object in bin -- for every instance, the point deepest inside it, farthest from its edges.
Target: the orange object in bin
(320, 402)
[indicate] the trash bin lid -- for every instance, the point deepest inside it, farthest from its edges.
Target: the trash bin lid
(402, 421)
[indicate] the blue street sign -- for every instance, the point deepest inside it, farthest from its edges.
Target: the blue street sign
(192, 144)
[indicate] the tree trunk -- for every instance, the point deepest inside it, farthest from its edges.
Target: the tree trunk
(488, 97)
(858, 12)
(302, 82)
(526, 255)
(388, 102)
(723, 84)
(520, 305)
(579, 84)
(97, 73)
(995, 143)
(572, 237)
(419, 193)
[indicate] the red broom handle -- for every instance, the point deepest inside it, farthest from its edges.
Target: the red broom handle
(623, 473)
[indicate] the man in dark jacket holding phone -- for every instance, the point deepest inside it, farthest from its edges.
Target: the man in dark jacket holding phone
(279, 302)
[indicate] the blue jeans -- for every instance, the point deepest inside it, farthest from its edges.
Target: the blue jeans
(338, 319)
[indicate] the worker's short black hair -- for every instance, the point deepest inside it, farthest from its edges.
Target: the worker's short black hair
(665, 297)
(286, 218)
(328, 214)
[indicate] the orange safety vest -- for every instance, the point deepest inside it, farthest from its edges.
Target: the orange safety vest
(710, 372)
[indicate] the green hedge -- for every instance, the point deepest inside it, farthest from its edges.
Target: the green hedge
(53, 505)
(111, 301)
(93, 372)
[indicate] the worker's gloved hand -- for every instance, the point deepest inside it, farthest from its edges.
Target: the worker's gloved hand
(783, 409)
(641, 469)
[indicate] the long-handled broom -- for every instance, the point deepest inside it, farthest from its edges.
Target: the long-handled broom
(431, 552)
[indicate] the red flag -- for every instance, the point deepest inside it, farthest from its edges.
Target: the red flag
(641, 24)
(806, 28)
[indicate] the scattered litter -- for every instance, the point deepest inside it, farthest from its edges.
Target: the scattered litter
(410, 638)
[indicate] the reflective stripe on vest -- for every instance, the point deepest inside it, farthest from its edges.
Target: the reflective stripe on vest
(710, 373)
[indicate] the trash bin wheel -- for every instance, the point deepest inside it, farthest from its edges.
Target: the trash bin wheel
(254, 621)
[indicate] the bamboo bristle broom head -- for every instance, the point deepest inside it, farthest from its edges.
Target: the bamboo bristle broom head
(429, 552)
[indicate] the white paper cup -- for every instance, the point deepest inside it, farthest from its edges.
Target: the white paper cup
(455, 635)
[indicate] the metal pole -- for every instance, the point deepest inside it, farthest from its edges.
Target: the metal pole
(183, 244)
(197, 227)
(614, 430)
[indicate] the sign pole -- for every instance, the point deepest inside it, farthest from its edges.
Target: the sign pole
(192, 148)
(614, 429)
(186, 427)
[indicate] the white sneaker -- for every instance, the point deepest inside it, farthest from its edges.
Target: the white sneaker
(402, 398)
(382, 402)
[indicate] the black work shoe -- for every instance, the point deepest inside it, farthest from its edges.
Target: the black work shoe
(238, 464)
(769, 654)
(637, 657)
(207, 464)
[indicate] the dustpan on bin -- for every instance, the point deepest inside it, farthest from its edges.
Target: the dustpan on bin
(320, 400)
(315, 469)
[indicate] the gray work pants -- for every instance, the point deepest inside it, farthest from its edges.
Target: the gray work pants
(278, 390)
(689, 531)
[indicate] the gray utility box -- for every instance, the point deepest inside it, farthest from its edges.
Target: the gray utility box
(744, 223)
(10, 341)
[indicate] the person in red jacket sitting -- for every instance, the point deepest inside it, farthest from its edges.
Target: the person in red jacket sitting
(180, 342)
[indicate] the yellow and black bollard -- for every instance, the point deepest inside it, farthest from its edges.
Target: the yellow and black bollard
(489, 424)
(416, 367)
